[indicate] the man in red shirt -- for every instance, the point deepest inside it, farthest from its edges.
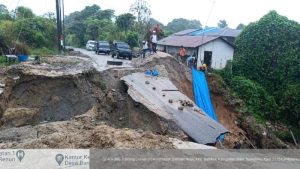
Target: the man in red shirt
(181, 54)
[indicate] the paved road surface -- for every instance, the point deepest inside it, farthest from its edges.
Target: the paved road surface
(100, 61)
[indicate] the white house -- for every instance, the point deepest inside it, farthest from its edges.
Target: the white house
(209, 47)
(215, 53)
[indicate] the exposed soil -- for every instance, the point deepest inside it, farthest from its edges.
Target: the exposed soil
(243, 127)
(63, 96)
(81, 132)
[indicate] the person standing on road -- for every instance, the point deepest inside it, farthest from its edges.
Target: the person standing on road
(145, 48)
(154, 41)
(97, 47)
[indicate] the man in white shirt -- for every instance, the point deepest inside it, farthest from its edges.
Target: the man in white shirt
(145, 48)
(154, 41)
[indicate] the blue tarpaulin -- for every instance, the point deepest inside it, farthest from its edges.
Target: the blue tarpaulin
(201, 94)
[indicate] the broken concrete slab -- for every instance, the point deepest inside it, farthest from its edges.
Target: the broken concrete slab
(55, 66)
(198, 126)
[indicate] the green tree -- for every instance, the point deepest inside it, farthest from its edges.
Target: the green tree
(153, 22)
(50, 16)
(88, 11)
(257, 100)
(4, 13)
(132, 39)
(125, 22)
(37, 32)
(268, 51)
(23, 12)
(107, 14)
(141, 10)
(289, 101)
(222, 24)
(92, 28)
(180, 24)
(241, 26)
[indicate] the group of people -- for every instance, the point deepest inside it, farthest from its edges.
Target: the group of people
(150, 45)
(190, 60)
(150, 40)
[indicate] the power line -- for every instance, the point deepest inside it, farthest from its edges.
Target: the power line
(208, 17)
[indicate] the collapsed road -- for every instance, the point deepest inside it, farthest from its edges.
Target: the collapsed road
(71, 102)
(189, 118)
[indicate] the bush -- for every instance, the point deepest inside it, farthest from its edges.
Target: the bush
(132, 39)
(290, 103)
(226, 73)
(256, 98)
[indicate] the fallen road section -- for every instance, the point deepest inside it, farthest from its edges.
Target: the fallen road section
(173, 105)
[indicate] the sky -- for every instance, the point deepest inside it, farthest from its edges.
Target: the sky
(209, 12)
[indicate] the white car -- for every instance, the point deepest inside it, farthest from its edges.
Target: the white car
(90, 45)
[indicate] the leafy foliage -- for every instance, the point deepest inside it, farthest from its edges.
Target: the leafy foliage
(4, 13)
(271, 45)
(222, 24)
(132, 39)
(26, 31)
(255, 97)
(153, 22)
(180, 24)
(23, 12)
(268, 53)
(125, 21)
(241, 26)
(289, 101)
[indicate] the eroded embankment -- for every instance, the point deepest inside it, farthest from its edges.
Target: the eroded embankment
(53, 111)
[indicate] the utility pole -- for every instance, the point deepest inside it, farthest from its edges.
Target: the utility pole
(63, 23)
(59, 26)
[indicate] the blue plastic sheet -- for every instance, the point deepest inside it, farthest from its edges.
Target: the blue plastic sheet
(201, 94)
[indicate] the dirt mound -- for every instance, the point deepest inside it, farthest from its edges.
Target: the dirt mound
(83, 132)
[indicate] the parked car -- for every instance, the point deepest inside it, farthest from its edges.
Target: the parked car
(90, 45)
(102, 47)
(121, 50)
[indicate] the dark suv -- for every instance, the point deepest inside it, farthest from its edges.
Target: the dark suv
(103, 47)
(121, 49)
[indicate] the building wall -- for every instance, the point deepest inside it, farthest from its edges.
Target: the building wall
(221, 53)
(174, 50)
